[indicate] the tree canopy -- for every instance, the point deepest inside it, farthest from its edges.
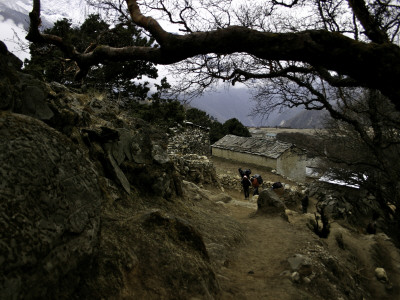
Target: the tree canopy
(217, 130)
(198, 117)
(49, 62)
(233, 126)
(351, 43)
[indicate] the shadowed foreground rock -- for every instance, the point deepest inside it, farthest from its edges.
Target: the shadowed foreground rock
(269, 203)
(50, 203)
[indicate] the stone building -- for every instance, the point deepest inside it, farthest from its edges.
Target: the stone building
(287, 159)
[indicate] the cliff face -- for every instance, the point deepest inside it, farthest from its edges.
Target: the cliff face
(91, 204)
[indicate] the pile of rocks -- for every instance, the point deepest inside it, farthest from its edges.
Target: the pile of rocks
(189, 139)
(230, 181)
(195, 168)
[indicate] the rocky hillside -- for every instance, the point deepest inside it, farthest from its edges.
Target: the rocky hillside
(93, 207)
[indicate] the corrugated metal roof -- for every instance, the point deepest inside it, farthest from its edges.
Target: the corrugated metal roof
(258, 146)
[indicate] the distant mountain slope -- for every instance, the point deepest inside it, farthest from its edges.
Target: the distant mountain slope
(16, 15)
(14, 19)
(51, 10)
(300, 118)
(236, 103)
(227, 104)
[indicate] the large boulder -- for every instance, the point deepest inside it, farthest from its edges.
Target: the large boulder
(50, 211)
(269, 203)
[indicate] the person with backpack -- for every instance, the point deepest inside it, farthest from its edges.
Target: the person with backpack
(246, 185)
(246, 172)
(255, 184)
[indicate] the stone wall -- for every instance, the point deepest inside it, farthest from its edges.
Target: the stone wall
(291, 195)
(189, 139)
(195, 168)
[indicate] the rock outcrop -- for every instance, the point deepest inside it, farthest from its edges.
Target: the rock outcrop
(50, 200)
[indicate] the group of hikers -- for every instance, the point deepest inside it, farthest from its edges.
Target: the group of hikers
(256, 180)
(248, 181)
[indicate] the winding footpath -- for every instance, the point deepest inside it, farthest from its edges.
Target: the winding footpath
(256, 270)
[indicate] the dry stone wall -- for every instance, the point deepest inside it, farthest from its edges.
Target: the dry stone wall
(195, 168)
(189, 139)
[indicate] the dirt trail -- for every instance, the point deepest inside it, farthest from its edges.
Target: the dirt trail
(255, 272)
(259, 268)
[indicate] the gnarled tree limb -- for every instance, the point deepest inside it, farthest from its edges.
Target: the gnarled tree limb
(374, 65)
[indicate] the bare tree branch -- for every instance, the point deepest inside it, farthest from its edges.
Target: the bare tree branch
(374, 65)
(370, 24)
(147, 23)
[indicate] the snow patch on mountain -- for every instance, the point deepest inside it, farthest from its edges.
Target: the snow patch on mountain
(13, 35)
(14, 19)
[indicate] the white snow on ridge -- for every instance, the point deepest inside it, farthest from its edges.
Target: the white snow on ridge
(11, 28)
(24, 6)
(76, 10)
(13, 35)
(14, 5)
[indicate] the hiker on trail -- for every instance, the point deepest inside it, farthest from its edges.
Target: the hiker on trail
(255, 184)
(246, 184)
(304, 204)
(246, 172)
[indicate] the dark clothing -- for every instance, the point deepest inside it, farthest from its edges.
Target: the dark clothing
(255, 184)
(304, 204)
(255, 191)
(246, 192)
(246, 184)
(277, 185)
(243, 173)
